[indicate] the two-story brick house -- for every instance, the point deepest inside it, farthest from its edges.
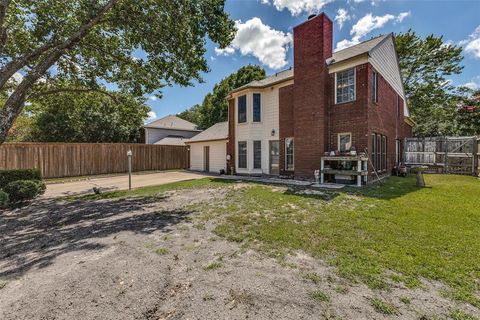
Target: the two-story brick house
(283, 125)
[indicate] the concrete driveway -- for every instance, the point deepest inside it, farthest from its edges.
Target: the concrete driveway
(118, 182)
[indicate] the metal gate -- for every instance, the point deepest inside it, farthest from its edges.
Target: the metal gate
(455, 155)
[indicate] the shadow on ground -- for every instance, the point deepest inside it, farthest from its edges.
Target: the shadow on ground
(34, 236)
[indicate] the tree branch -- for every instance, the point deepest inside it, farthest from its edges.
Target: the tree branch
(14, 104)
(15, 65)
(77, 90)
(3, 29)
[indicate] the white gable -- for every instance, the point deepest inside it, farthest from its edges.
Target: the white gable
(384, 59)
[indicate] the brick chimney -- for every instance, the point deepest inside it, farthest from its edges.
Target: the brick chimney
(312, 46)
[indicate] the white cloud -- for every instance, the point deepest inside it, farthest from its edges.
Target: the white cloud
(471, 85)
(367, 24)
(403, 15)
(296, 7)
(151, 116)
(261, 41)
(472, 44)
(342, 17)
(153, 98)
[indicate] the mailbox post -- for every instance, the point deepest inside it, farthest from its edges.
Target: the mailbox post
(129, 155)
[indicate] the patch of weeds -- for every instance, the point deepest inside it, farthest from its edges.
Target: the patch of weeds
(189, 247)
(405, 300)
(318, 295)
(208, 297)
(341, 289)
(457, 314)
(183, 228)
(199, 226)
(241, 297)
(149, 245)
(383, 307)
(3, 284)
(165, 238)
(213, 266)
(161, 251)
(312, 276)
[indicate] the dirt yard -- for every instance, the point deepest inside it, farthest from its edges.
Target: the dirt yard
(155, 258)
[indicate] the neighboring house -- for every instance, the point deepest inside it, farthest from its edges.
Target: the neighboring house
(284, 124)
(170, 130)
(208, 149)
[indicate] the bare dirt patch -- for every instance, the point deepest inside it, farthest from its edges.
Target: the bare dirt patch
(155, 258)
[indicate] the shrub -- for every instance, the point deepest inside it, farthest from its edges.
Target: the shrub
(22, 190)
(7, 176)
(3, 198)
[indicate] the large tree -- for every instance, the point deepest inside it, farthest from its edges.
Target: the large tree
(425, 64)
(85, 117)
(214, 107)
(140, 45)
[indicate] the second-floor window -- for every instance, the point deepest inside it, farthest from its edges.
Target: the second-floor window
(242, 109)
(345, 86)
(257, 107)
(374, 86)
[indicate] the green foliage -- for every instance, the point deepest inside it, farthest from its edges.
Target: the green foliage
(138, 45)
(87, 117)
(425, 64)
(320, 296)
(383, 307)
(7, 176)
(458, 314)
(23, 190)
(214, 107)
(3, 198)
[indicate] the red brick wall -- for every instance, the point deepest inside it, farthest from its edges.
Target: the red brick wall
(285, 122)
(312, 46)
(383, 119)
(231, 135)
(351, 116)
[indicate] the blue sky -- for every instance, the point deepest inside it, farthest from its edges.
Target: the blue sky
(265, 28)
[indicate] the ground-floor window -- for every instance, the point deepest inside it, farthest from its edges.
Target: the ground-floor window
(344, 141)
(257, 154)
(289, 154)
(242, 154)
(378, 155)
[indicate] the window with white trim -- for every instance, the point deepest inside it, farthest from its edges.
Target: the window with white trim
(242, 154)
(242, 109)
(344, 141)
(289, 150)
(345, 86)
(257, 107)
(257, 154)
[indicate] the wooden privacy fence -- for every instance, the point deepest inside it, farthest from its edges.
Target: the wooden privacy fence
(456, 155)
(77, 159)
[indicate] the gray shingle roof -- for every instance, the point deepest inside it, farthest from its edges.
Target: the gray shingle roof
(338, 56)
(358, 49)
(218, 131)
(268, 81)
(172, 122)
(171, 141)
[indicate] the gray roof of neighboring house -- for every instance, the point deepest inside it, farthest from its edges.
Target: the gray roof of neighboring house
(358, 49)
(218, 131)
(338, 56)
(171, 141)
(173, 123)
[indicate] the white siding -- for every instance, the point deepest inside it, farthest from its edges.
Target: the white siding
(218, 154)
(152, 135)
(383, 58)
(258, 131)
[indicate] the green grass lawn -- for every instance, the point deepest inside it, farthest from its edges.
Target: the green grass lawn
(379, 234)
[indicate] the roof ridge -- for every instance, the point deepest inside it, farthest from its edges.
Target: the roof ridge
(363, 42)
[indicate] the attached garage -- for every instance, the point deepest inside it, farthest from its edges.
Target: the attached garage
(208, 149)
